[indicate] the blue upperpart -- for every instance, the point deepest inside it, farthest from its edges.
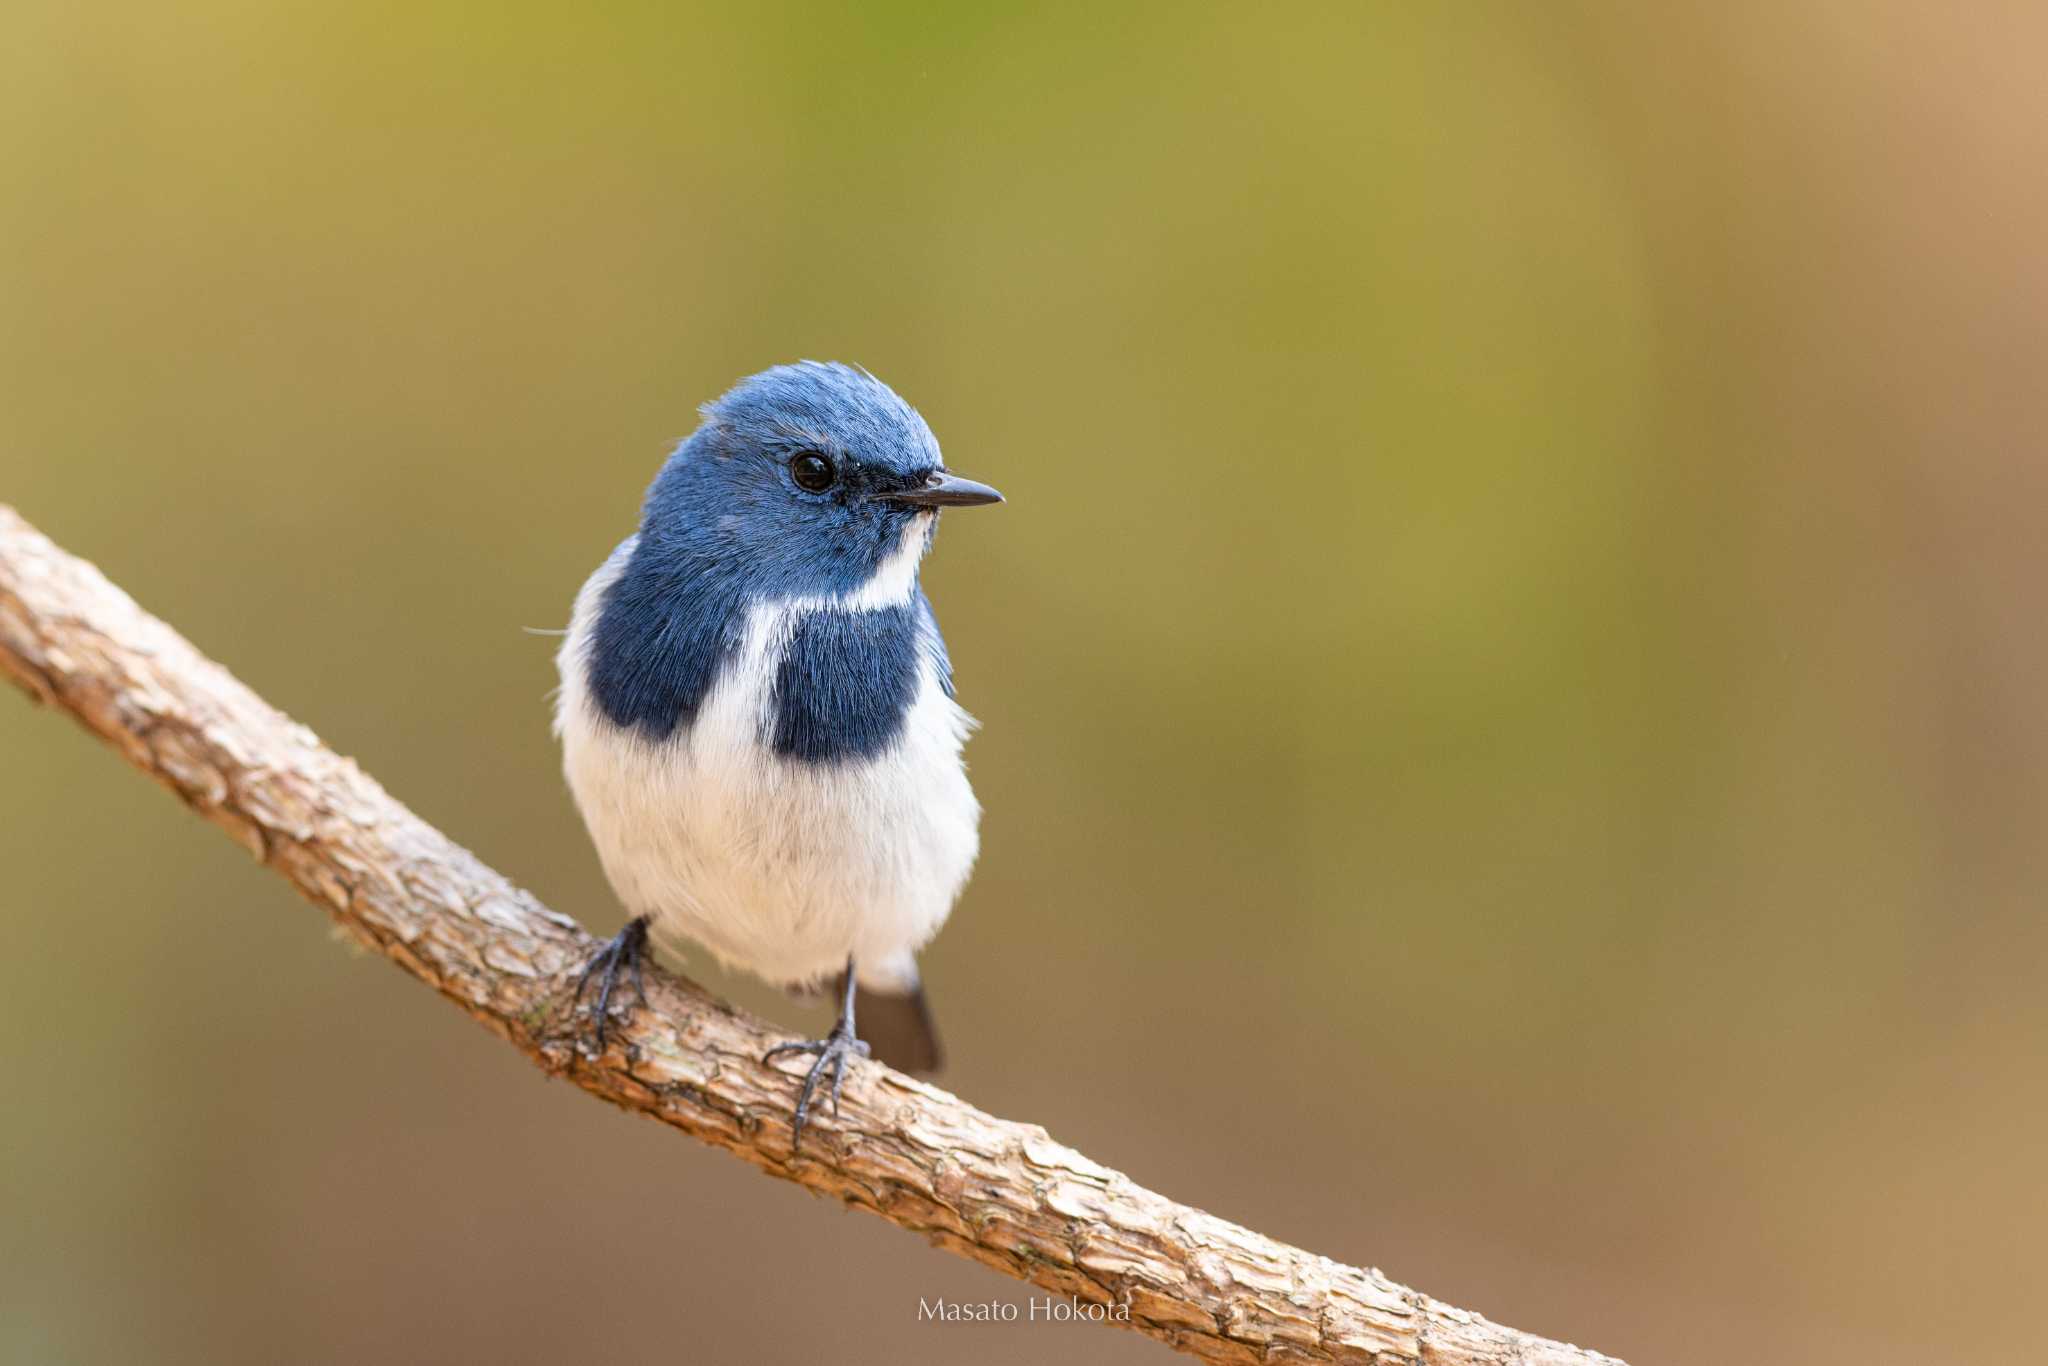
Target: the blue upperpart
(725, 525)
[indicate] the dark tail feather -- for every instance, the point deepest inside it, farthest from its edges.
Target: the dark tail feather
(899, 1029)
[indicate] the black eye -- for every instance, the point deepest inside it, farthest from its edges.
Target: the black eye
(812, 471)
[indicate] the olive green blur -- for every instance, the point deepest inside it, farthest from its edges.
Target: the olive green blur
(1513, 672)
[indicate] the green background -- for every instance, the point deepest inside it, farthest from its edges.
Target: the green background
(1512, 671)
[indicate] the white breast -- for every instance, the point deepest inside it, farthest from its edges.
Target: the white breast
(780, 867)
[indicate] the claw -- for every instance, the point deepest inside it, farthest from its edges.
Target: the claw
(832, 1052)
(619, 955)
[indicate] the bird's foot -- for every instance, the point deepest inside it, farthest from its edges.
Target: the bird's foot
(618, 957)
(831, 1052)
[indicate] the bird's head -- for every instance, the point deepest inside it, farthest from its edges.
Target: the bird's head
(807, 479)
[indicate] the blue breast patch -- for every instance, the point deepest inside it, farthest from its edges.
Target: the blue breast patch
(666, 630)
(670, 627)
(847, 682)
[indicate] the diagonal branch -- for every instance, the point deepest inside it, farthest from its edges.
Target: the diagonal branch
(1001, 1193)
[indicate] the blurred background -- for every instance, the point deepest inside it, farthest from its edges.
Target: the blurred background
(1512, 671)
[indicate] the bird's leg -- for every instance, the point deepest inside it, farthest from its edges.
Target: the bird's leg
(832, 1051)
(617, 957)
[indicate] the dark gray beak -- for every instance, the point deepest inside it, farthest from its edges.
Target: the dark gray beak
(944, 490)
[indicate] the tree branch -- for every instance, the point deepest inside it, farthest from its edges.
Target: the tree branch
(1003, 1194)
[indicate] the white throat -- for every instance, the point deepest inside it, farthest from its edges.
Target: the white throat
(894, 577)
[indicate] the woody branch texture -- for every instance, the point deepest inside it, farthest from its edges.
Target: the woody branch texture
(1001, 1193)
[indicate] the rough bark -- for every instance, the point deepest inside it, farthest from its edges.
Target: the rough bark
(1001, 1193)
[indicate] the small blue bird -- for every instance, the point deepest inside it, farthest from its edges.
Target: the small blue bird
(757, 715)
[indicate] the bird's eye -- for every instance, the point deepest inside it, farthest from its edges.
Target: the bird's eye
(812, 471)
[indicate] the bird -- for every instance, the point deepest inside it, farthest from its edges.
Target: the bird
(757, 714)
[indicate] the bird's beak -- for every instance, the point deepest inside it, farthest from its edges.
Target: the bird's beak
(944, 490)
